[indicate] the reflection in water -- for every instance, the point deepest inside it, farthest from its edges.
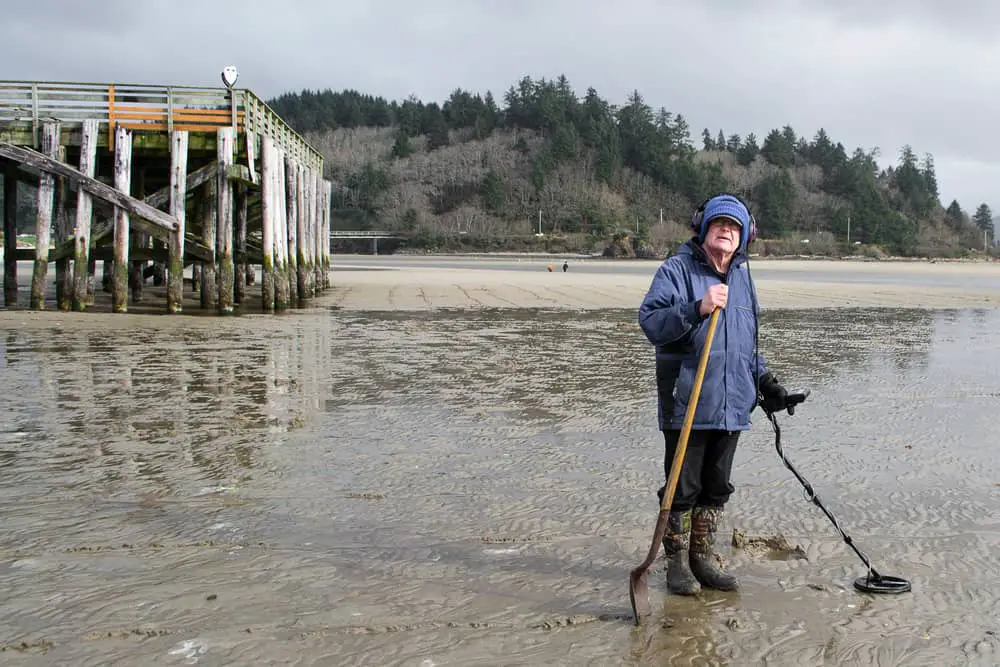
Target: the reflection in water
(119, 413)
(473, 487)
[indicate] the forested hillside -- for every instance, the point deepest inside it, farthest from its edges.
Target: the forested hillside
(477, 173)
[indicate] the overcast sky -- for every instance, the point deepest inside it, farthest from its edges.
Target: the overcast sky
(871, 72)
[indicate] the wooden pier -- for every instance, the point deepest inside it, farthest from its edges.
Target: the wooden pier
(154, 179)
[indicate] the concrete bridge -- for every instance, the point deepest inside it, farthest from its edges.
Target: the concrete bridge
(364, 234)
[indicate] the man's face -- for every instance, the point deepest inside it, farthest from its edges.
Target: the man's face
(723, 235)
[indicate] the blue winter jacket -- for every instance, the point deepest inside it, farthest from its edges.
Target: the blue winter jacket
(670, 319)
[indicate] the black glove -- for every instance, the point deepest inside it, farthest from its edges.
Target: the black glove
(772, 397)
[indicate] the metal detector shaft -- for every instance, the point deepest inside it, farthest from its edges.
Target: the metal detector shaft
(814, 499)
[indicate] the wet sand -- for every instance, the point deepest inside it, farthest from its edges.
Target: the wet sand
(449, 485)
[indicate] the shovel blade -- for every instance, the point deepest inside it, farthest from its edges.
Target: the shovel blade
(638, 585)
(638, 593)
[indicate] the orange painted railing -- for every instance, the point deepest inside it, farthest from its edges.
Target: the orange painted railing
(145, 108)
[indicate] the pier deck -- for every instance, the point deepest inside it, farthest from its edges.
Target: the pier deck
(153, 179)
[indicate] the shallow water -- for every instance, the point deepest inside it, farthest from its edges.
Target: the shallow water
(472, 488)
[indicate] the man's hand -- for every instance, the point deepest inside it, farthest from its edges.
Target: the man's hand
(715, 297)
(772, 395)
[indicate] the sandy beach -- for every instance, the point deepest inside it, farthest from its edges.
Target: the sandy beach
(428, 283)
(453, 461)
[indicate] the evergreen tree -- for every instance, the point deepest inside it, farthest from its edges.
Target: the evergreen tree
(776, 201)
(748, 151)
(707, 142)
(983, 218)
(493, 192)
(777, 149)
(401, 147)
(954, 214)
(564, 146)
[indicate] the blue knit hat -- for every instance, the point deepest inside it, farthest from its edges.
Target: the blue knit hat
(725, 206)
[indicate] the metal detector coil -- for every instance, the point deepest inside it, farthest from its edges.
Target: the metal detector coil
(873, 582)
(876, 583)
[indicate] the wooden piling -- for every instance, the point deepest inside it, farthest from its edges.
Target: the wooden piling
(318, 226)
(326, 201)
(91, 269)
(301, 261)
(43, 218)
(178, 193)
(242, 265)
(9, 239)
(281, 235)
(64, 232)
(143, 240)
(123, 182)
(267, 166)
(107, 270)
(292, 216)
(84, 215)
(225, 140)
(209, 205)
(310, 196)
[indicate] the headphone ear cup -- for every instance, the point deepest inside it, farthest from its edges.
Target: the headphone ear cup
(699, 215)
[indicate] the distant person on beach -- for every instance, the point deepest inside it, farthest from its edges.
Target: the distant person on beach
(709, 271)
(565, 267)
(551, 268)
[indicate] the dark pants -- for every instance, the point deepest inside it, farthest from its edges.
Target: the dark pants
(708, 462)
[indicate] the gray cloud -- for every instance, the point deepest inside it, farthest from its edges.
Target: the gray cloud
(871, 73)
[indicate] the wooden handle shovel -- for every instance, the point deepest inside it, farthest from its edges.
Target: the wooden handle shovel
(638, 589)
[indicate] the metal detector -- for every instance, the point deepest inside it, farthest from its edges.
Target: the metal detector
(873, 582)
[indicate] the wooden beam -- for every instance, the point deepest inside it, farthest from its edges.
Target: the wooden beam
(241, 174)
(92, 186)
(195, 253)
(161, 198)
(158, 199)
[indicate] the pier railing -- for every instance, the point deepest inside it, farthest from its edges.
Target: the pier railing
(150, 108)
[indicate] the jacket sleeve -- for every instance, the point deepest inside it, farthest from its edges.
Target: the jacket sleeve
(668, 314)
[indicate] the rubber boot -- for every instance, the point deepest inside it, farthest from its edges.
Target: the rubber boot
(705, 563)
(676, 544)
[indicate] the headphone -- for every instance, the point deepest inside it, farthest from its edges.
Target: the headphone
(697, 221)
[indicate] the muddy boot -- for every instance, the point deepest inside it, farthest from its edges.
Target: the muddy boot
(705, 564)
(675, 546)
